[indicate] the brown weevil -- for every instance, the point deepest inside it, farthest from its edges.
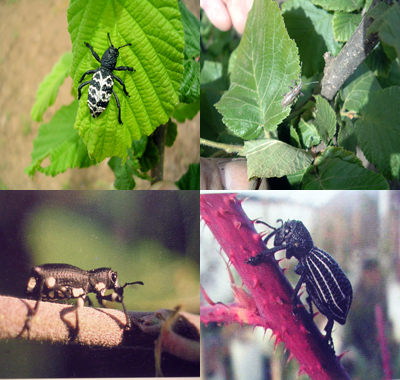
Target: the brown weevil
(294, 92)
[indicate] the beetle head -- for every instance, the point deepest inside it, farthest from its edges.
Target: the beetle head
(297, 238)
(109, 58)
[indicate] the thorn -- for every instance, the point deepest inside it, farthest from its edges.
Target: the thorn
(206, 296)
(237, 225)
(339, 357)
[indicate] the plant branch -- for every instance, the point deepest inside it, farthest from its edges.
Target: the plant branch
(57, 322)
(268, 287)
(350, 57)
(157, 172)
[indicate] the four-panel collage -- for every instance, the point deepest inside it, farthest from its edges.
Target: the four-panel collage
(249, 107)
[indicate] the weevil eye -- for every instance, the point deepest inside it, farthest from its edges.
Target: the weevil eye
(114, 276)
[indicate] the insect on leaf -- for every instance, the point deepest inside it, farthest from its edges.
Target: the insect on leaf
(267, 61)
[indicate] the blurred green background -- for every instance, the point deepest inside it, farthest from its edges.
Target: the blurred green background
(145, 236)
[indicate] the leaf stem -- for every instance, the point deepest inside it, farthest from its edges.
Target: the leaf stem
(226, 147)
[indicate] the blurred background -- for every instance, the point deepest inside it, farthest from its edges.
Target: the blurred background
(145, 236)
(361, 231)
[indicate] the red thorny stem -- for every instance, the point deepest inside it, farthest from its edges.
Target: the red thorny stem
(269, 288)
(380, 324)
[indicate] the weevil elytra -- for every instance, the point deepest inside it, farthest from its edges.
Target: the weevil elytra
(52, 282)
(326, 284)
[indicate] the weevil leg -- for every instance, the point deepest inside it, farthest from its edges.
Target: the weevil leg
(264, 255)
(309, 301)
(80, 87)
(119, 80)
(328, 329)
(119, 107)
(295, 298)
(32, 313)
(88, 73)
(114, 297)
(93, 52)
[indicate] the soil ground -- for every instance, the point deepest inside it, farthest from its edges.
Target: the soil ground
(33, 36)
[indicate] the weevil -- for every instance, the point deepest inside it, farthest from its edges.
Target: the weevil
(326, 284)
(101, 85)
(53, 282)
(294, 92)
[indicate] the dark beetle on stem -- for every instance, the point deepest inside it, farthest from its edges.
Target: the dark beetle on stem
(326, 284)
(52, 282)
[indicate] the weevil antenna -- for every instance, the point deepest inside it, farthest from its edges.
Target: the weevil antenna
(124, 46)
(133, 283)
(111, 45)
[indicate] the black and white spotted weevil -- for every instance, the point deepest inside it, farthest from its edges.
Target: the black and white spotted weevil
(101, 85)
(326, 284)
(52, 282)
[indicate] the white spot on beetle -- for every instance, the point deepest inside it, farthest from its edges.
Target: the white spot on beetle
(50, 282)
(31, 284)
(100, 287)
(114, 297)
(77, 292)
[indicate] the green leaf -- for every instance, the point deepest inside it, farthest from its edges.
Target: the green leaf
(325, 120)
(266, 63)
(191, 179)
(393, 79)
(358, 87)
(172, 132)
(339, 5)
(191, 28)
(378, 10)
(344, 25)
(308, 134)
(273, 158)
(337, 169)
(186, 111)
(155, 30)
(123, 173)
(150, 157)
(389, 32)
(48, 89)
(61, 142)
(379, 62)
(311, 28)
(190, 86)
(347, 138)
(378, 131)
(211, 71)
(139, 146)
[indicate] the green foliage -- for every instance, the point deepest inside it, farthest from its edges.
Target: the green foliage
(344, 25)
(167, 72)
(365, 111)
(191, 179)
(262, 72)
(124, 172)
(48, 89)
(190, 86)
(153, 88)
(61, 142)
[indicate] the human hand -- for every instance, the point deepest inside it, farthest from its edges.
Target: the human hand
(224, 14)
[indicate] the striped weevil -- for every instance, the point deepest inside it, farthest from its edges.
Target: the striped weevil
(52, 282)
(326, 284)
(294, 92)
